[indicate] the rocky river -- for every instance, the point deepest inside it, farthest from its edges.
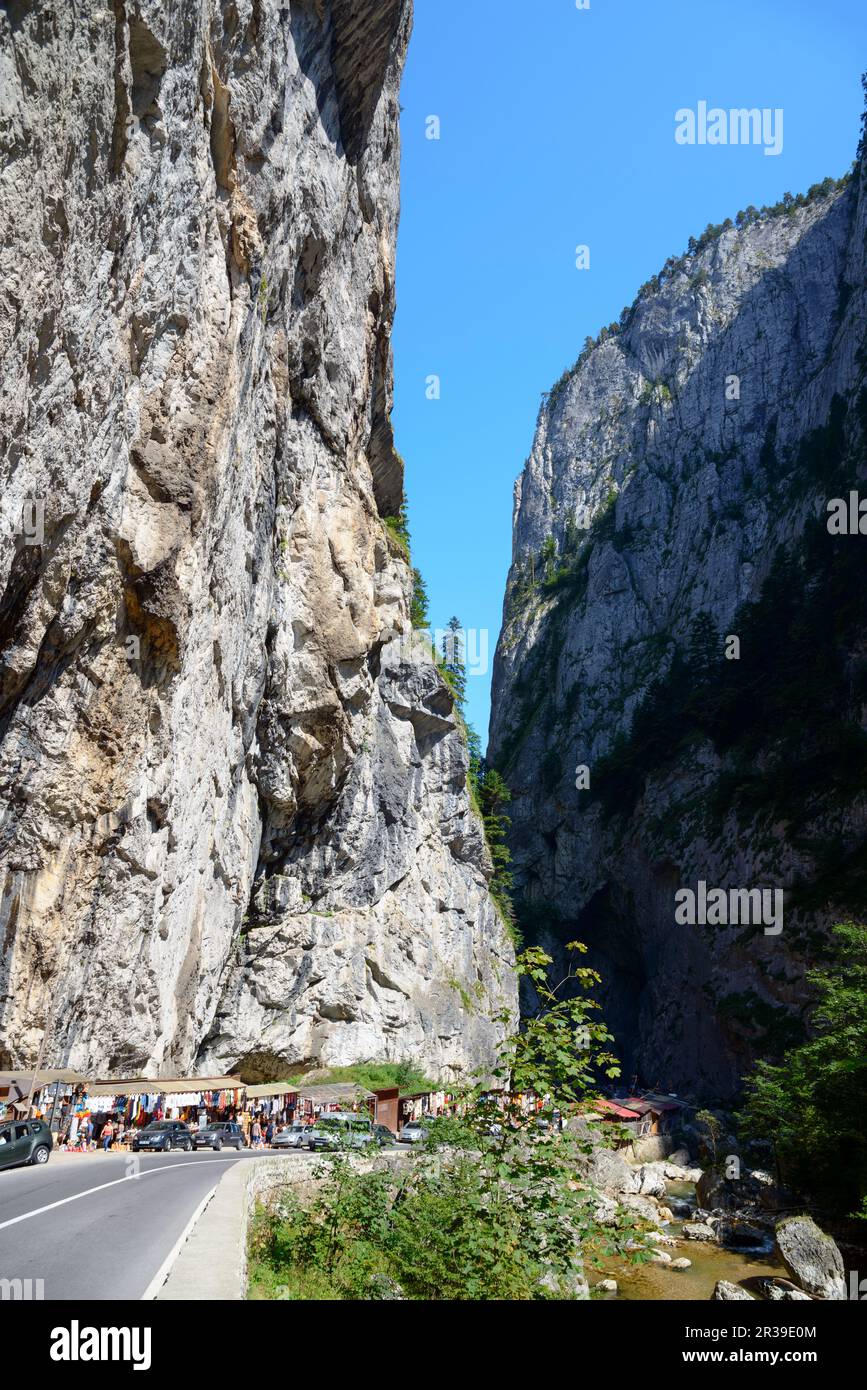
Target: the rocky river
(708, 1236)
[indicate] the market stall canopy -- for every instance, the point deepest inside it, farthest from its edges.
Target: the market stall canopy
(273, 1088)
(165, 1086)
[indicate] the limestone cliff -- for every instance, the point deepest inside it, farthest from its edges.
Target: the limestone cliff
(234, 808)
(676, 495)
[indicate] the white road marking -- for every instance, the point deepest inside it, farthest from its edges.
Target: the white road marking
(162, 1273)
(131, 1177)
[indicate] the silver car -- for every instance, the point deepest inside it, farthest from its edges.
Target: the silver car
(414, 1132)
(340, 1130)
(292, 1137)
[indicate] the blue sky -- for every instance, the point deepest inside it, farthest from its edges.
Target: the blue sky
(557, 129)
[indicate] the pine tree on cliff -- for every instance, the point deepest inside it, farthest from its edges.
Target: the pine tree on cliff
(418, 612)
(453, 661)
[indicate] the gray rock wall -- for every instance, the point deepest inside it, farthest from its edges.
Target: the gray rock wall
(661, 496)
(234, 809)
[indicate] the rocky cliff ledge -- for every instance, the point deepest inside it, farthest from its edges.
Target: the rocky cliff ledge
(676, 495)
(234, 807)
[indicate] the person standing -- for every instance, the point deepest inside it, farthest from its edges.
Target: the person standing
(256, 1134)
(107, 1136)
(269, 1134)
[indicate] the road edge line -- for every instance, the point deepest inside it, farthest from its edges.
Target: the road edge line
(165, 1268)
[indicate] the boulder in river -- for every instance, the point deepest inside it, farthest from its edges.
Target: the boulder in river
(681, 1263)
(643, 1207)
(753, 1188)
(811, 1257)
(651, 1148)
(714, 1190)
(782, 1291)
(651, 1179)
(675, 1172)
(727, 1293)
(610, 1172)
(698, 1230)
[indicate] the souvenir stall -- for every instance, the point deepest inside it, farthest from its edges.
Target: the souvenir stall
(313, 1101)
(47, 1095)
(80, 1120)
(275, 1103)
(421, 1103)
(132, 1104)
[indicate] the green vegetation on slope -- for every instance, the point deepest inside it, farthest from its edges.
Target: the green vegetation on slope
(375, 1076)
(397, 529)
(785, 718)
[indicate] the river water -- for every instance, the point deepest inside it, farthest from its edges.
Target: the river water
(709, 1263)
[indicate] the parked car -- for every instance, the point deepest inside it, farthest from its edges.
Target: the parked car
(335, 1130)
(24, 1141)
(217, 1134)
(383, 1136)
(292, 1137)
(414, 1132)
(162, 1136)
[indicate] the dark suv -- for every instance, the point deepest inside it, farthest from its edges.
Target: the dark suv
(24, 1141)
(219, 1133)
(161, 1136)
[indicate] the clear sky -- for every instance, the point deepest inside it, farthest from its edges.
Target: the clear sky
(557, 129)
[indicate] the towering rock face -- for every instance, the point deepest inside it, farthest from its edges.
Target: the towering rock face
(234, 809)
(676, 495)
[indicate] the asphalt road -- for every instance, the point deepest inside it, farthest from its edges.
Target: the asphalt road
(114, 1235)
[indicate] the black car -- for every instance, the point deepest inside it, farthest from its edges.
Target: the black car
(383, 1136)
(161, 1136)
(219, 1133)
(24, 1141)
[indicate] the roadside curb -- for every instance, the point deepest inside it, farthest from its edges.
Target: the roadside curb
(211, 1258)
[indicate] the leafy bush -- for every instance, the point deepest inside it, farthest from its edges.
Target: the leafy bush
(491, 1209)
